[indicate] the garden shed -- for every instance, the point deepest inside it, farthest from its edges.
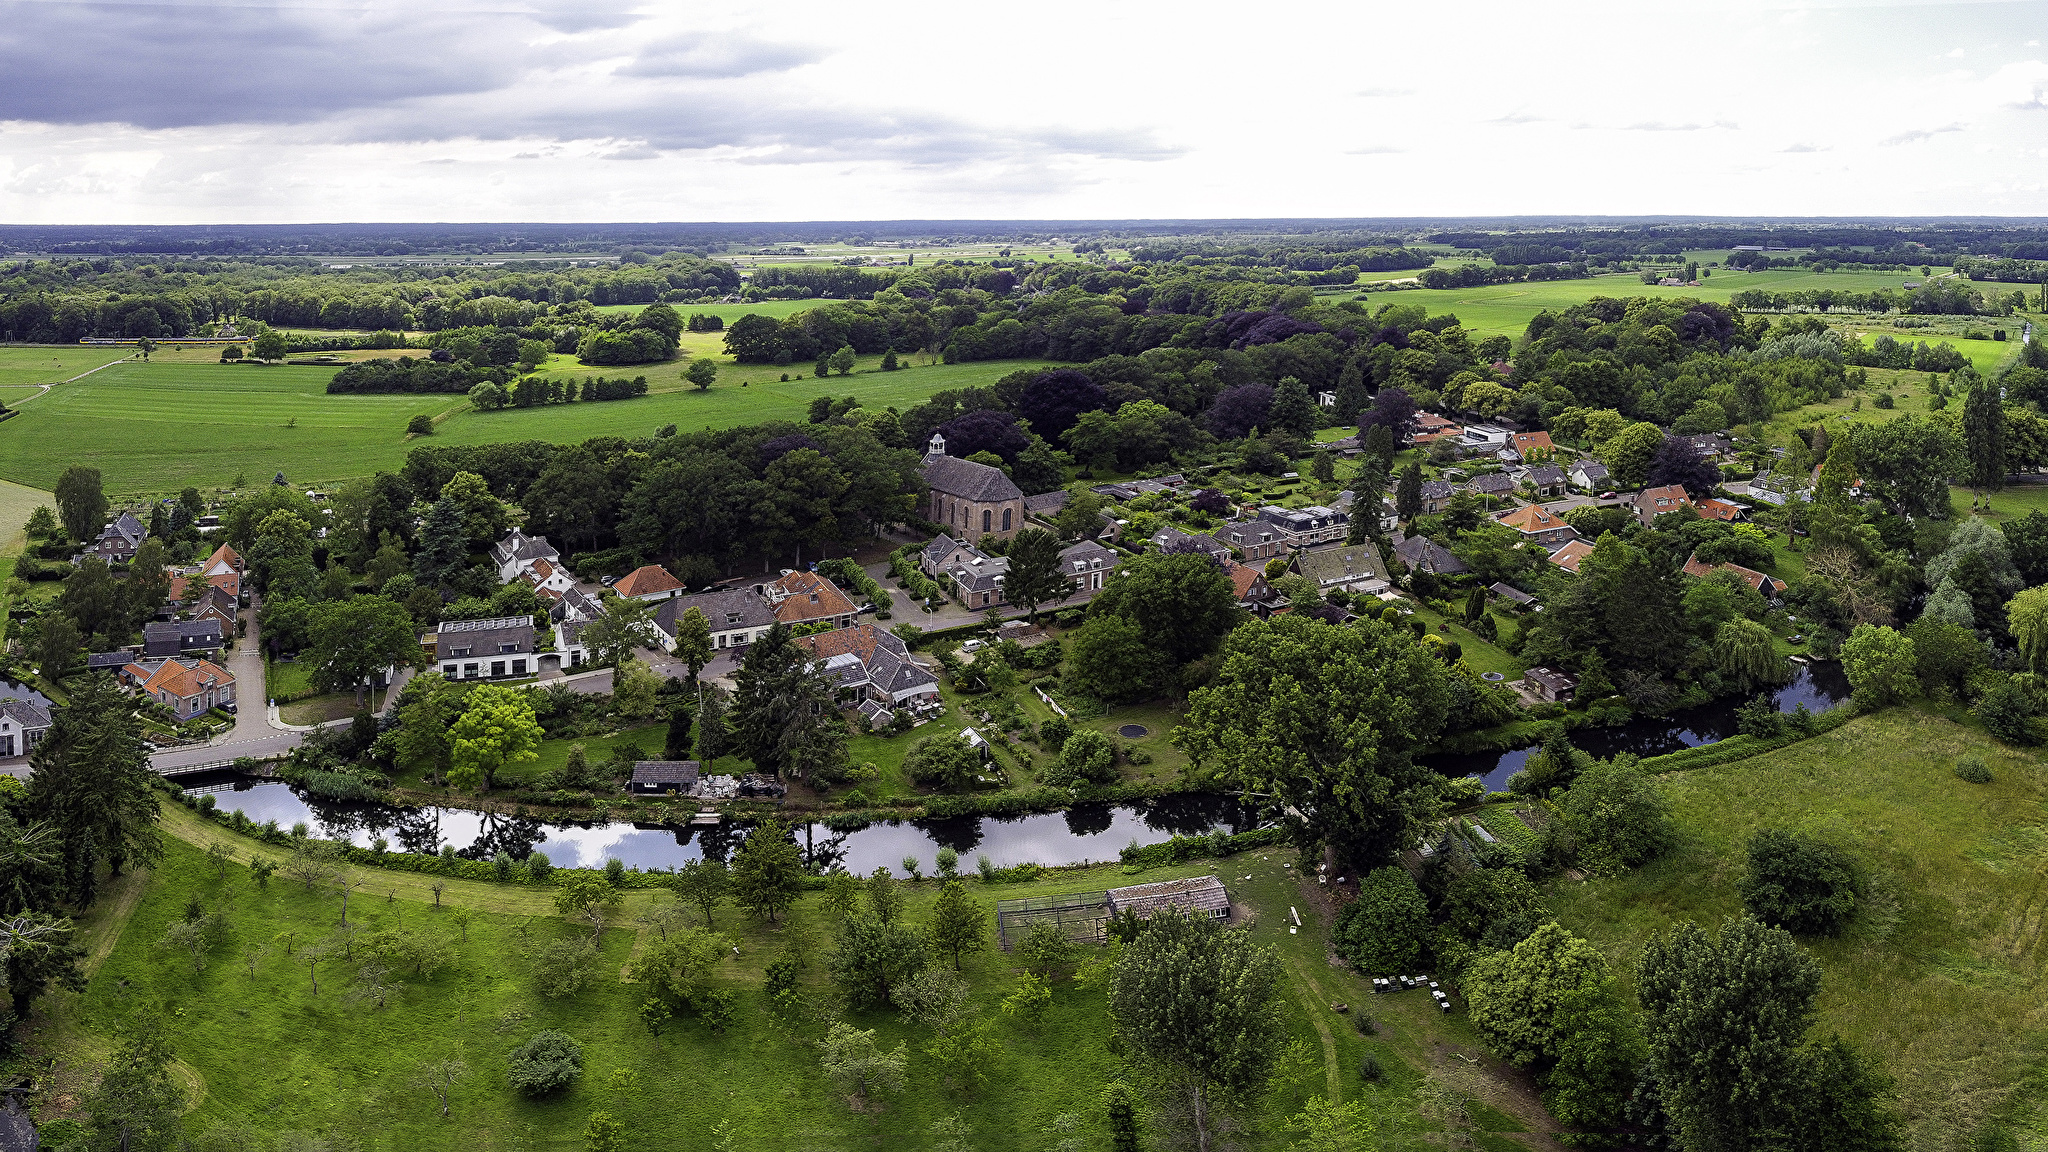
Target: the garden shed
(1196, 895)
(652, 776)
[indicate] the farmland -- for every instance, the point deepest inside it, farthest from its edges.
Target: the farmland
(184, 418)
(1506, 309)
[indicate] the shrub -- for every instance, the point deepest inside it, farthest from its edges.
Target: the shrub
(1369, 1069)
(1972, 769)
(1089, 755)
(1619, 815)
(1799, 884)
(544, 1064)
(1383, 932)
(1054, 732)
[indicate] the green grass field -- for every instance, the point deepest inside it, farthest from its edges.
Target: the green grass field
(1506, 309)
(1939, 977)
(338, 1067)
(187, 419)
(50, 363)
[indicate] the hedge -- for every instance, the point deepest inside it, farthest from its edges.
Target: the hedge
(1184, 848)
(1742, 747)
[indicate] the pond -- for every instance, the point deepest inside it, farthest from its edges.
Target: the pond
(1082, 833)
(1819, 686)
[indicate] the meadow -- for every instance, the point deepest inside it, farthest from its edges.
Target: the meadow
(50, 363)
(1506, 309)
(184, 418)
(339, 1066)
(1939, 975)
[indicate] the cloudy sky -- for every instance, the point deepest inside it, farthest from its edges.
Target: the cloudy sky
(166, 111)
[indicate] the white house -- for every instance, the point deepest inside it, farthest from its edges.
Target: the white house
(517, 552)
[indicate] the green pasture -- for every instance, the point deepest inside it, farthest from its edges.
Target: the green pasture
(159, 426)
(341, 1067)
(50, 363)
(1506, 309)
(1938, 978)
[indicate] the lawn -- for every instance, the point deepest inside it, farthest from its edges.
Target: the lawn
(1939, 977)
(185, 418)
(341, 1068)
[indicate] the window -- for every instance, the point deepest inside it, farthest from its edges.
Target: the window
(986, 516)
(1006, 519)
(469, 671)
(519, 667)
(448, 670)
(497, 667)
(505, 647)
(458, 651)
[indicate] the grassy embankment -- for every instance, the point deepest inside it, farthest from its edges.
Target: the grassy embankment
(184, 418)
(1939, 977)
(340, 1068)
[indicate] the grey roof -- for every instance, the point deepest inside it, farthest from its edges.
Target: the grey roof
(969, 480)
(1493, 483)
(983, 576)
(1593, 470)
(1047, 501)
(1420, 552)
(169, 639)
(518, 545)
(843, 671)
(1544, 475)
(25, 714)
(1510, 592)
(494, 624)
(892, 672)
(109, 659)
(1341, 565)
(1310, 519)
(1436, 490)
(1081, 557)
(578, 604)
(726, 609)
(1551, 678)
(127, 527)
(1168, 536)
(682, 772)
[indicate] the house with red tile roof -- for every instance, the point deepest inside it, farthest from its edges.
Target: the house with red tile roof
(1713, 509)
(188, 687)
(1539, 525)
(1568, 557)
(1651, 503)
(223, 561)
(808, 598)
(649, 582)
(1527, 442)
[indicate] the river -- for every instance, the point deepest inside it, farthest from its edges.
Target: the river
(1082, 833)
(1819, 686)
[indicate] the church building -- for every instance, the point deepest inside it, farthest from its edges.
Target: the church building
(972, 500)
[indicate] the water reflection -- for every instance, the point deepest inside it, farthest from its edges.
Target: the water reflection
(1085, 832)
(1818, 686)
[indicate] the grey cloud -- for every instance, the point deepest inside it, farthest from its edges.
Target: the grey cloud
(1916, 135)
(719, 57)
(1518, 118)
(1801, 148)
(1374, 150)
(1376, 93)
(202, 66)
